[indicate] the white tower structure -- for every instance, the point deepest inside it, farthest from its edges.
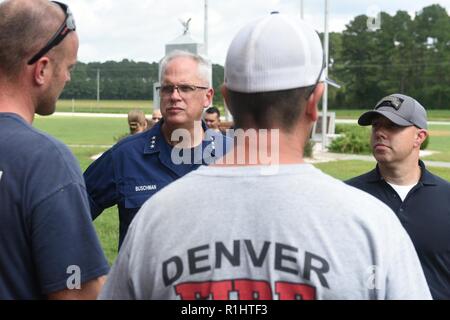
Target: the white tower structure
(184, 42)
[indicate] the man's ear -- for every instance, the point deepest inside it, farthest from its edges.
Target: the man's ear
(422, 134)
(208, 98)
(41, 70)
(313, 100)
(226, 97)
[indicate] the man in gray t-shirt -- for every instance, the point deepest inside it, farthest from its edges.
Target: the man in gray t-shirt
(273, 227)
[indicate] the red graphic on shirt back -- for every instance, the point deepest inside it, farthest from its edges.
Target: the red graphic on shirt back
(244, 289)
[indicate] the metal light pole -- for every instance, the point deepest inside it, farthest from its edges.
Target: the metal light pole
(301, 9)
(325, 94)
(206, 28)
(98, 86)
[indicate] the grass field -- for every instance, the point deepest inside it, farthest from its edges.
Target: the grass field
(439, 141)
(87, 137)
(104, 106)
(90, 136)
(433, 115)
(111, 106)
(119, 106)
(347, 169)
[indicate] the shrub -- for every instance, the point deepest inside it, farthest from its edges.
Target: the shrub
(308, 150)
(352, 140)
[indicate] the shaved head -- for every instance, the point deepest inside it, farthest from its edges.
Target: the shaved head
(25, 27)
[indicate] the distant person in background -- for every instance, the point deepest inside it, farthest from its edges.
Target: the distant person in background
(48, 245)
(156, 116)
(212, 119)
(137, 121)
(139, 166)
(420, 199)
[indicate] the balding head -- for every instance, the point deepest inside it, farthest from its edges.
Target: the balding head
(25, 27)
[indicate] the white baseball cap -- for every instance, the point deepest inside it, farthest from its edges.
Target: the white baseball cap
(275, 53)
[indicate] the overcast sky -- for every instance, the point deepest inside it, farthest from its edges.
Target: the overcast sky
(139, 29)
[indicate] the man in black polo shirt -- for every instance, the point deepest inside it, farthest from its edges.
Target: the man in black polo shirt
(420, 199)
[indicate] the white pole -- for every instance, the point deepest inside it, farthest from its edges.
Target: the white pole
(325, 94)
(206, 28)
(73, 105)
(98, 86)
(301, 9)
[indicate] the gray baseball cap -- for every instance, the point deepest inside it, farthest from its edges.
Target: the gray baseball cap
(400, 109)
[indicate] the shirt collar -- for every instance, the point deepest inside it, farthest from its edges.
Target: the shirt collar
(426, 177)
(155, 139)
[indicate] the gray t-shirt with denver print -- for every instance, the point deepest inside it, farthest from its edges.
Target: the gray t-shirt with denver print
(249, 233)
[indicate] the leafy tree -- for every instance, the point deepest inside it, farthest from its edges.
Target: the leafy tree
(407, 55)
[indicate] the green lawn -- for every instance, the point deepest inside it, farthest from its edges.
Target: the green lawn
(123, 106)
(433, 115)
(439, 141)
(90, 136)
(344, 170)
(87, 137)
(104, 106)
(347, 169)
(83, 131)
(112, 106)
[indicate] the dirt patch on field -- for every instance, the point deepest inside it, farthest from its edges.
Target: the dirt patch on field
(439, 133)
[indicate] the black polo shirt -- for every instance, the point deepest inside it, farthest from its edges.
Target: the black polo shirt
(425, 214)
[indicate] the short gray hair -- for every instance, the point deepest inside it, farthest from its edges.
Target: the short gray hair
(25, 26)
(204, 66)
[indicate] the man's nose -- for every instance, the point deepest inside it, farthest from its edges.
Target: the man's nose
(379, 131)
(176, 94)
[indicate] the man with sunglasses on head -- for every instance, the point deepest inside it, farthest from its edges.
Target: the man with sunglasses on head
(420, 199)
(279, 231)
(139, 166)
(48, 245)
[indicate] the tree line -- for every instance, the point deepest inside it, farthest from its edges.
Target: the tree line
(409, 55)
(124, 80)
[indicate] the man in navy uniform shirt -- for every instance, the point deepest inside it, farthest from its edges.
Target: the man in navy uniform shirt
(420, 199)
(137, 167)
(48, 245)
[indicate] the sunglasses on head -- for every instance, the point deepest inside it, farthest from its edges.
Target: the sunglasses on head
(67, 26)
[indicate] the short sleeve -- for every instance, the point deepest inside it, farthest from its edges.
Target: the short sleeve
(100, 184)
(63, 237)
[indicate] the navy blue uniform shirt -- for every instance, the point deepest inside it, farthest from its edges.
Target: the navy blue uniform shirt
(425, 214)
(46, 231)
(137, 167)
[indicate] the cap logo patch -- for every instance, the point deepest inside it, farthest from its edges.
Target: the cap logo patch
(391, 101)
